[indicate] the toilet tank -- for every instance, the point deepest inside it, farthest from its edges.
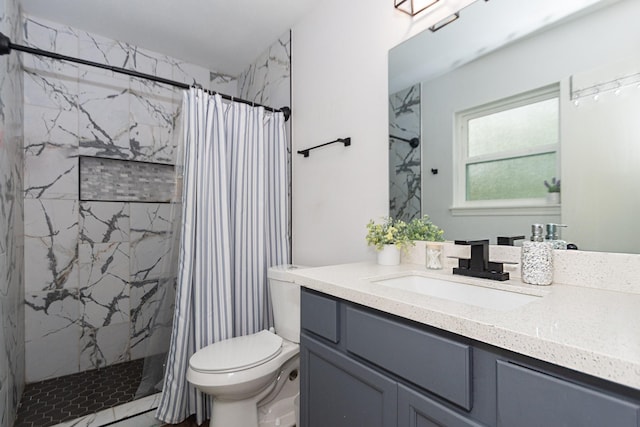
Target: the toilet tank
(285, 300)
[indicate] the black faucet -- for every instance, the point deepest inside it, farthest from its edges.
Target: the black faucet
(479, 265)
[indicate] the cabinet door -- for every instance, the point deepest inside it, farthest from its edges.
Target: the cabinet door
(527, 398)
(418, 410)
(339, 392)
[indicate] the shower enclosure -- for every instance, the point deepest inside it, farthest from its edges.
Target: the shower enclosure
(99, 150)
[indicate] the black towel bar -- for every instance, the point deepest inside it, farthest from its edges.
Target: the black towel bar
(345, 141)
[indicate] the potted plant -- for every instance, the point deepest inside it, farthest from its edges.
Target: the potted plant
(424, 229)
(389, 238)
(553, 191)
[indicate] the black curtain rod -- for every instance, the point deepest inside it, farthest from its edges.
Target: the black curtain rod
(413, 142)
(6, 46)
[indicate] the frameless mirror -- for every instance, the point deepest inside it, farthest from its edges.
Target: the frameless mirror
(503, 55)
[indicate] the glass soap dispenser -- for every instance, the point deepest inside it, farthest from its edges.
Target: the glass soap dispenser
(553, 236)
(537, 258)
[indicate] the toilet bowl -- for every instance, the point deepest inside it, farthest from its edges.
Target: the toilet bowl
(244, 373)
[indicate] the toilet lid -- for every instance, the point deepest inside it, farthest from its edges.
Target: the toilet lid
(237, 353)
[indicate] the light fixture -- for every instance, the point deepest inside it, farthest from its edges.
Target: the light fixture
(413, 7)
(446, 21)
(596, 91)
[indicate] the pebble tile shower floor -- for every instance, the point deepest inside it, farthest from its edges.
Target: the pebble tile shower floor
(50, 402)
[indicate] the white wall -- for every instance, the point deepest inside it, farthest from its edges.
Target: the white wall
(339, 89)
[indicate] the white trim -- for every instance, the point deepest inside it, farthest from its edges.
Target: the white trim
(547, 210)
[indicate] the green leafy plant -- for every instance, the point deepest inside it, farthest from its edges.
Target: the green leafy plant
(553, 186)
(389, 232)
(424, 229)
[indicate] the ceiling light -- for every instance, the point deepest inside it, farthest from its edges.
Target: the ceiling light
(446, 21)
(413, 7)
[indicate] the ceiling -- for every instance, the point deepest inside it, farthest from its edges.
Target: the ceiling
(221, 35)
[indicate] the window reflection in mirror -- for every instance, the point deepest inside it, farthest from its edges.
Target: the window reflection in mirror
(507, 148)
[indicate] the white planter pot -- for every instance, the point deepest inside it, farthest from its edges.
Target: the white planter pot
(553, 198)
(389, 255)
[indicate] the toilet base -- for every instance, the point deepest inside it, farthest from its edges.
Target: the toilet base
(239, 413)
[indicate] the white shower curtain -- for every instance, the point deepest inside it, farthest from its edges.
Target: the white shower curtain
(234, 226)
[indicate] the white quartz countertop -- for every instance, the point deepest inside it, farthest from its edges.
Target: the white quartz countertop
(589, 330)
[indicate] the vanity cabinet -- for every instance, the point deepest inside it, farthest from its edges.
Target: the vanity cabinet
(362, 367)
(527, 397)
(341, 392)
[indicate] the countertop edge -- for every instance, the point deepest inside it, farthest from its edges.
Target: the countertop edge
(600, 365)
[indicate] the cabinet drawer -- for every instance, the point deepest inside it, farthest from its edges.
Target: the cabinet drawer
(319, 314)
(417, 410)
(530, 398)
(434, 363)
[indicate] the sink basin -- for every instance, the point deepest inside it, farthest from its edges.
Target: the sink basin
(479, 296)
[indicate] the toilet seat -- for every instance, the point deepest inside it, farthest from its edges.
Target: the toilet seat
(237, 353)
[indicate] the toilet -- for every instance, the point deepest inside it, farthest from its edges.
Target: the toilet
(253, 380)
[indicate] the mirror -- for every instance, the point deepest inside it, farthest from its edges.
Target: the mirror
(590, 51)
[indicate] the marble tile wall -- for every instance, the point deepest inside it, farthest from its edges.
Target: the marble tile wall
(12, 328)
(267, 81)
(93, 273)
(404, 161)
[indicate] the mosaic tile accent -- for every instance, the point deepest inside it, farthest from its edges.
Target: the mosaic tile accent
(50, 402)
(115, 180)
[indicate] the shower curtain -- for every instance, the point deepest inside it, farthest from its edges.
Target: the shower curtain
(234, 226)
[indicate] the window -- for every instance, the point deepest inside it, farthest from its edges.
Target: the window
(507, 149)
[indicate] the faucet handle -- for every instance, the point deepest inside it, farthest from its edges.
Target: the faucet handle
(472, 242)
(508, 241)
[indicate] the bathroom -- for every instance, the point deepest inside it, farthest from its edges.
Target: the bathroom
(336, 191)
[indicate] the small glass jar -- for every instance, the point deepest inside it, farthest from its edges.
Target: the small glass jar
(434, 255)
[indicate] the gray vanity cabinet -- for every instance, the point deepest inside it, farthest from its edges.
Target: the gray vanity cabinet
(529, 398)
(362, 367)
(355, 364)
(341, 392)
(417, 410)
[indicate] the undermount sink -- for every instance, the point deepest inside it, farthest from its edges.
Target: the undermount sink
(479, 296)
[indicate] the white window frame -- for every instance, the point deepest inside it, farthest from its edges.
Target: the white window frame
(532, 206)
